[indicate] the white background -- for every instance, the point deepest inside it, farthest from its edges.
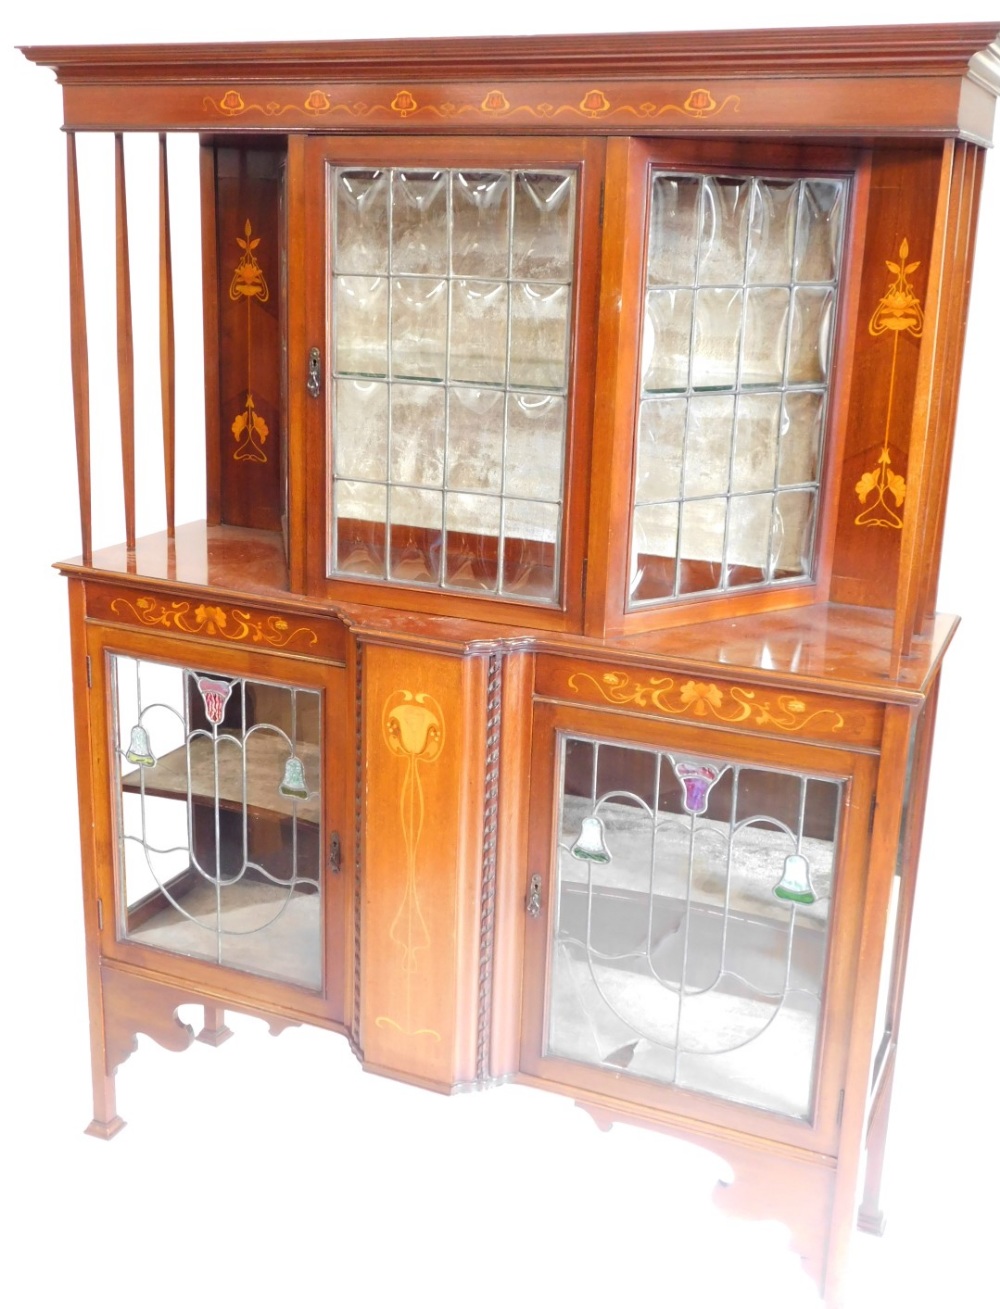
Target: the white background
(275, 1172)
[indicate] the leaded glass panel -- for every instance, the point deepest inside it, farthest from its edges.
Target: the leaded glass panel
(219, 801)
(451, 309)
(692, 918)
(740, 301)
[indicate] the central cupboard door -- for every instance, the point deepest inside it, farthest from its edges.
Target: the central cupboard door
(691, 919)
(227, 775)
(451, 303)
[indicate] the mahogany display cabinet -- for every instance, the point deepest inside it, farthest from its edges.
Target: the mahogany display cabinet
(548, 691)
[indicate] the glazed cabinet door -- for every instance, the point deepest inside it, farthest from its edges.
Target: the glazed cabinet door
(220, 778)
(451, 294)
(692, 914)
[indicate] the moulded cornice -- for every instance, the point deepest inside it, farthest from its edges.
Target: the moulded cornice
(984, 68)
(912, 50)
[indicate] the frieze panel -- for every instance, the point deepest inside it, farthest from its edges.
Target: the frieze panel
(762, 709)
(230, 624)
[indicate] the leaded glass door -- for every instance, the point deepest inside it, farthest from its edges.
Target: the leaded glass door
(457, 273)
(683, 918)
(226, 791)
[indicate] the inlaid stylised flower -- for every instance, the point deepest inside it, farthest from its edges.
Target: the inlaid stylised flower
(701, 697)
(232, 103)
(404, 103)
(595, 102)
(700, 102)
(317, 102)
(495, 102)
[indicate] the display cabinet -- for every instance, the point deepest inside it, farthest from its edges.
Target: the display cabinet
(548, 691)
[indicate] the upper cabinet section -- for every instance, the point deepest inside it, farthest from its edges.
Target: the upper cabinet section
(591, 335)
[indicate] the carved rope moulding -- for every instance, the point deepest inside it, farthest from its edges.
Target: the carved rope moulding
(727, 704)
(214, 620)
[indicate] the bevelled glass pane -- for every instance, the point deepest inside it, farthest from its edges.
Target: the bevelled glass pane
(359, 528)
(724, 219)
(360, 429)
(543, 226)
(692, 901)
(417, 451)
(362, 221)
(472, 524)
(419, 327)
(660, 450)
(703, 533)
(756, 441)
(821, 217)
(220, 782)
(716, 339)
(475, 439)
(415, 534)
(765, 334)
(791, 539)
(420, 222)
(361, 323)
(478, 345)
(530, 536)
(539, 335)
(666, 341)
(673, 230)
(533, 460)
(748, 539)
(801, 434)
(772, 232)
(708, 445)
(812, 313)
(654, 551)
(481, 224)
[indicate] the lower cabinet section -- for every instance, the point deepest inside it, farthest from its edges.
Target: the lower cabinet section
(483, 865)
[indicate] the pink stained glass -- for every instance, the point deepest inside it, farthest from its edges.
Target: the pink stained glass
(215, 693)
(697, 781)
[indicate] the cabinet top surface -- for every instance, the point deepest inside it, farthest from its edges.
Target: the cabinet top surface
(827, 647)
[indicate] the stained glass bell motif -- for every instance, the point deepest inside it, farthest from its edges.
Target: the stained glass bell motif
(795, 882)
(139, 750)
(697, 781)
(590, 844)
(293, 784)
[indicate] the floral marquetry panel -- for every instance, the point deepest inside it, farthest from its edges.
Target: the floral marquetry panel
(424, 728)
(700, 698)
(214, 619)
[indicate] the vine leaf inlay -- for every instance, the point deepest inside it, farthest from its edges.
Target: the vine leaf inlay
(897, 312)
(787, 713)
(213, 620)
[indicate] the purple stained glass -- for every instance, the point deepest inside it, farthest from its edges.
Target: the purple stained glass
(697, 781)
